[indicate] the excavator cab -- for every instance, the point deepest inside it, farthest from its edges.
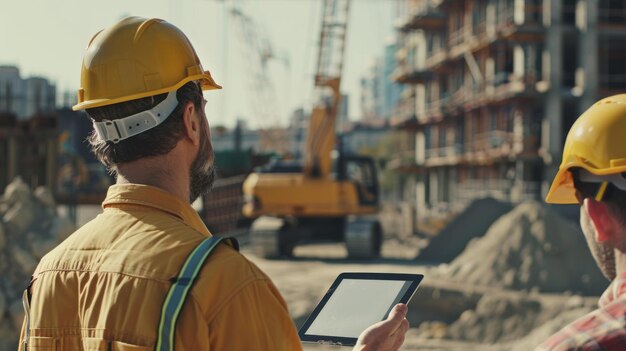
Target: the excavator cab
(361, 170)
(291, 208)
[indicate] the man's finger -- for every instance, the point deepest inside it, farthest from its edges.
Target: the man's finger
(398, 342)
(402, 328)
(400, 334)
(396, 316)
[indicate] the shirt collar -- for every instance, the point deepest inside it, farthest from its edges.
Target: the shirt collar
(149, 196)
(616, 289)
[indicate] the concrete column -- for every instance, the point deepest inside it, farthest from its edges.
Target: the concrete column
(420, 196)
(452, 181)
(491, 19)
(13, 158)
(552, 125)
(420, 43)
(521, 130)
(516, 192)
(518, 61)
(420, 100)
(420, 147)
(519, 16)
(518, 131)
(587, 72)
(434, 187)
(442, 184)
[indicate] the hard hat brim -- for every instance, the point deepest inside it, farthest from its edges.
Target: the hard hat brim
(205, 79)
(562, 190)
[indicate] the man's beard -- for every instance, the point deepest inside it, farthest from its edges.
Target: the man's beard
(603, 254)
(201, 176)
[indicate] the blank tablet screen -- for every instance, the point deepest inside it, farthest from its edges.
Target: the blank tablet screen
(354, 302)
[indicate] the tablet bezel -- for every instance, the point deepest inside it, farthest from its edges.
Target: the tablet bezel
(415, 280)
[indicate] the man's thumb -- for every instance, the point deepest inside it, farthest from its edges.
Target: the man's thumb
(397, 314)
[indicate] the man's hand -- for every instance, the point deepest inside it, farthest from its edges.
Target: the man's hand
(387, 335)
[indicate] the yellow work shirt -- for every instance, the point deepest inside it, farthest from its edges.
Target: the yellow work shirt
(103, 288)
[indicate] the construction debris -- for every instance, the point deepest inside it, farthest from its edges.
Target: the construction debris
(29, 228)
(530, 248)
(471, 223)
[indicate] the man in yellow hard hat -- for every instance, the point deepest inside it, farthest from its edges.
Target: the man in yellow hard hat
(593, 174)
(146, 274)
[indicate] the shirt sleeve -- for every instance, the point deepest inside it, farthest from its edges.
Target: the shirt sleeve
(255, 318)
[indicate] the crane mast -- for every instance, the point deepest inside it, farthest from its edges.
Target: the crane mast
(321, 136)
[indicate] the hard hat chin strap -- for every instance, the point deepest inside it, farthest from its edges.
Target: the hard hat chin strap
(124, 128)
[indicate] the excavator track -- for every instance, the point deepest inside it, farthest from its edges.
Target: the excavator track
(270, 237)
(363, 237)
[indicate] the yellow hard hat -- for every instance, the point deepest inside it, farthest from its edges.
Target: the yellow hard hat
(136, 58)
(597, 143)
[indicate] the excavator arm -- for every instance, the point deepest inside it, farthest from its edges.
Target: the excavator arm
(321, 136)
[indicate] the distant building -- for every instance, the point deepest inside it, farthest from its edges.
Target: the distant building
(379, 92)
(364, 135)
(344, 110)
(238, 138)
(298, 129)
(371, 101)
(25, 97)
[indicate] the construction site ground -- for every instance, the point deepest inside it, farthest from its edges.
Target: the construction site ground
(304, 279)
(449, 311)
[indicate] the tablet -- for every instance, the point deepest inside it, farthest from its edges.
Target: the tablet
(354, 302)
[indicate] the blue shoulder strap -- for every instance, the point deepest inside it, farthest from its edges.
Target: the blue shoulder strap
(178, 292)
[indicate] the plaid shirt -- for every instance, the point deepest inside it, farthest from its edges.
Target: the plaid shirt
(602, 329)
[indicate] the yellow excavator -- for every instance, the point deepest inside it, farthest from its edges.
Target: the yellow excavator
(331, 196)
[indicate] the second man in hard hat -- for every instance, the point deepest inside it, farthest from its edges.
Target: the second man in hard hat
(593, 175)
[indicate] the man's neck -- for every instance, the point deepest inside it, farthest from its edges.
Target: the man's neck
(620, 262)
(155, 172)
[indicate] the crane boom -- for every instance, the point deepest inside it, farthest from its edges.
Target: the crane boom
(321, 137)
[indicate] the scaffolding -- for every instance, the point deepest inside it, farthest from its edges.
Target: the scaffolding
(491, 114)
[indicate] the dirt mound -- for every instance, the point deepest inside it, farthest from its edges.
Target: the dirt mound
(530, 248)
(510, 318)
(471, 223)
(547, 329)
(29, 228)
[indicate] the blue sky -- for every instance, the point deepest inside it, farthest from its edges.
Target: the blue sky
(47, 38)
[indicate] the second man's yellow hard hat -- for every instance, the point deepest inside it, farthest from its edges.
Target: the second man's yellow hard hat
(597, 143)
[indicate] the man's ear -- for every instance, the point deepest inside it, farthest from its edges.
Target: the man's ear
(602, 218)
(192, 123)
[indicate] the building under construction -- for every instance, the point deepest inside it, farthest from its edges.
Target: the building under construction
(493, 86)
